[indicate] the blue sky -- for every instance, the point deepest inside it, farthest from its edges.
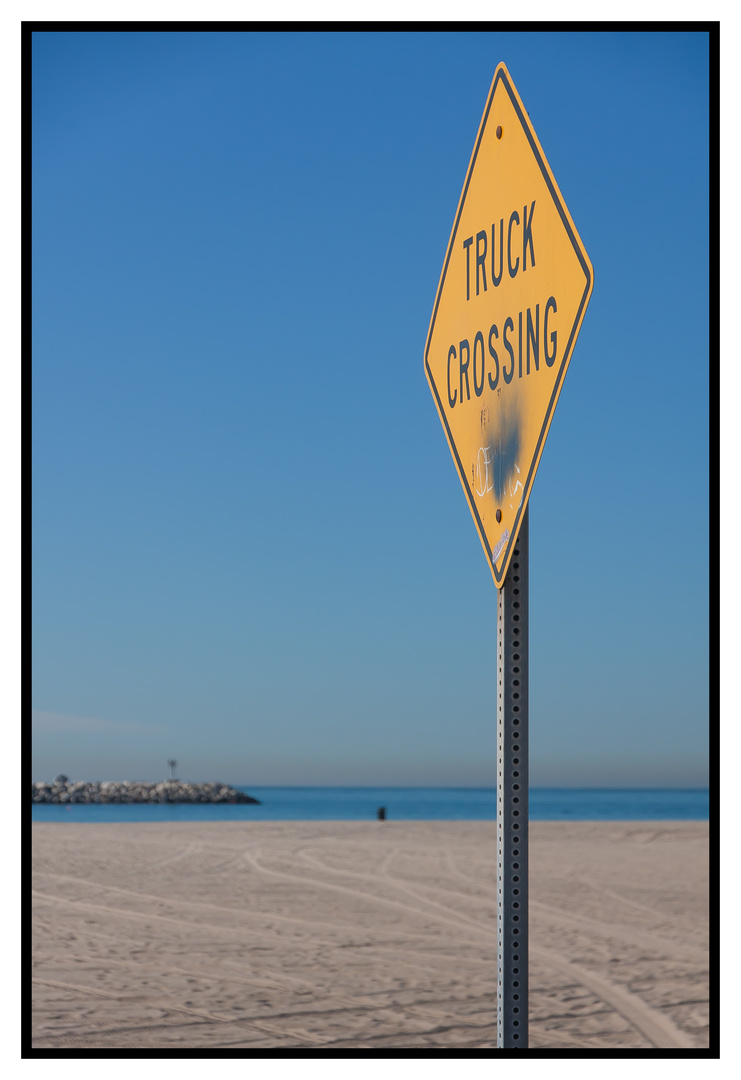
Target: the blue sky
(251, 550)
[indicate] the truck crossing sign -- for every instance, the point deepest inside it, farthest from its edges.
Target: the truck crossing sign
(513, 290)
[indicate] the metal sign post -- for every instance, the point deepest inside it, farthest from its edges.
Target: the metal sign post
(512, 798)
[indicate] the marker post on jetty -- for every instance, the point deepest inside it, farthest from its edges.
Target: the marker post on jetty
(514, 287)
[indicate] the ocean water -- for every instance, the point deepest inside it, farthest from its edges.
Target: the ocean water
(407, 804)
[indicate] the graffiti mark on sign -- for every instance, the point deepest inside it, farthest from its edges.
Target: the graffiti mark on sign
(484, 477)
(499, 546)
(514, 489)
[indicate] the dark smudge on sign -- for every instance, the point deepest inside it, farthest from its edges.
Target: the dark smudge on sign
(506, 439)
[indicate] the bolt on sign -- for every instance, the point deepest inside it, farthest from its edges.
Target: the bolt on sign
(514, 287)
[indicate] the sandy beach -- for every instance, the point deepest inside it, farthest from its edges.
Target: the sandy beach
(345, 935)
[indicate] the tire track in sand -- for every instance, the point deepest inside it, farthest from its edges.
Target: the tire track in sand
(364, 895)
(647, 938)
(168, 1005)
(658, 1029)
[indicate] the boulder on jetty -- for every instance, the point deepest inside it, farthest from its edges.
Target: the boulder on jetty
(63, 790)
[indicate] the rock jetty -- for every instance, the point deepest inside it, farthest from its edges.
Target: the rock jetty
(63, 790)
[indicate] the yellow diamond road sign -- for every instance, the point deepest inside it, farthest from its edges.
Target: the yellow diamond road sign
(512, 295)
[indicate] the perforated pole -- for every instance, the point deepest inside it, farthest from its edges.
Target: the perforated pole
(512, 799)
